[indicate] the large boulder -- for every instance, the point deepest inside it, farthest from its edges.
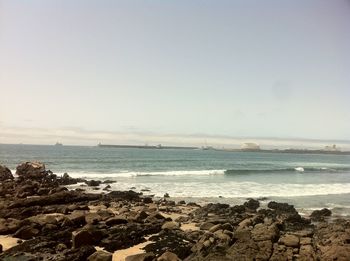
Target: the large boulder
(319, 215)
(81, 238)
(262, 232)
(5, 173)
(252, 204)
(31, 170)
(281, 207)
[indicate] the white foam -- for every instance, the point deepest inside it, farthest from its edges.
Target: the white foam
(300, 169)
(92, 175)
(233, 189)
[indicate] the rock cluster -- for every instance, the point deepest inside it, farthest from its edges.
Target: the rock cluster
(54, 223)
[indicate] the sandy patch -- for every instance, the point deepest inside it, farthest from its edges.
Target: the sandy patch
(8, 242)
(173, 216)
(189, 227)
(120, 255)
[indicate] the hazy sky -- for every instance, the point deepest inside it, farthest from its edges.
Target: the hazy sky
(231, 68)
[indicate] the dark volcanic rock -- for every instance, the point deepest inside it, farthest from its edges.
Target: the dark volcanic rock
(147, 200)
(5, 173)
(63, 197)
(124, 195)
(252, 204)
(319, 215)
(281, 207)
(109, 181)
(175, 241)
(93, 183)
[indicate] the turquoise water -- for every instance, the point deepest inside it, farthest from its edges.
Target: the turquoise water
(308, 181)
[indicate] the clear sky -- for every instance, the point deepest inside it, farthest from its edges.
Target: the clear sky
(276, 69)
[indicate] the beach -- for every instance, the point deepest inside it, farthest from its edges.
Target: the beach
(42, 219)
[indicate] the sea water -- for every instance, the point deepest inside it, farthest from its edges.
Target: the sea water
(309, 181)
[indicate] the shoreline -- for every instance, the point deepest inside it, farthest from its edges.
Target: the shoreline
(54, 222)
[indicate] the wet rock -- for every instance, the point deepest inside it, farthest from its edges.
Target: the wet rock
(93, 183)
(252, 204)
(168, 256)
(124, 195)
(100, 256)
(67, 180)
(109, 181)
(294, 221)
(107, 187)
(5, 173)
(0, 248)
(147, 200)
(81, 238)
(166, 195)
(281, 207)
(319, 215)
(193, 204)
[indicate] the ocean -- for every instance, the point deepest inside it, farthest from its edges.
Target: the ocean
(309, 181)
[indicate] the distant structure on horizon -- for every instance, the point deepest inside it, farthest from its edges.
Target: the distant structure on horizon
(58, 144)
(331, 148)
(250, 146)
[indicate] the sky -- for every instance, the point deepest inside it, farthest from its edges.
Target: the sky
(83, 71)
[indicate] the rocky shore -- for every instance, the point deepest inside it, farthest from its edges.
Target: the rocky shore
(40, 219)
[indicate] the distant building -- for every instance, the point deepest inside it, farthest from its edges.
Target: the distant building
(331, 148)
(250, 146)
